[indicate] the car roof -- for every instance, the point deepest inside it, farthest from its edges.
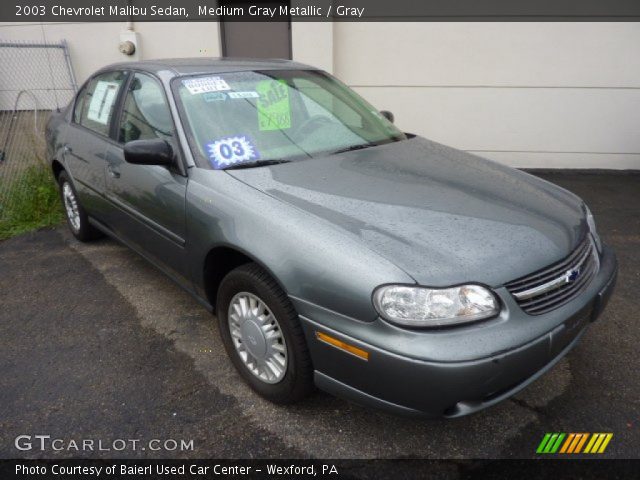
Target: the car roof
(190, 66)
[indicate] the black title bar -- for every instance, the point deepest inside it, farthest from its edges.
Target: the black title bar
(584, 469)
(317, 10)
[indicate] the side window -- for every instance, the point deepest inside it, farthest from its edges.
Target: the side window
(145, 114)
(99, 101)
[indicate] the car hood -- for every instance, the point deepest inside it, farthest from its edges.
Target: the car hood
(443, 216)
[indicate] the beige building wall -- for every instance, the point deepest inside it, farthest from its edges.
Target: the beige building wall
(525, 94)
(94, 45)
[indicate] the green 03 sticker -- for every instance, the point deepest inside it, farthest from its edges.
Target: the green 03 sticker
(274, 109)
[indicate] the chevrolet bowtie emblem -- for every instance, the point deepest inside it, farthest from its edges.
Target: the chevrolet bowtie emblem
(572, 275)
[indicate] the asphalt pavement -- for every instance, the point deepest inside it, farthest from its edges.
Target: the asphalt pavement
(96, 344)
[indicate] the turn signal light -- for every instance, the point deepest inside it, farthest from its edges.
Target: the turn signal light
(334, 342)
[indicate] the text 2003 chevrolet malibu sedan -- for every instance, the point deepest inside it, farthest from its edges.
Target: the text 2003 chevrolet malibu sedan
(335, 249)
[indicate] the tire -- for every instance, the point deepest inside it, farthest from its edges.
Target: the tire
(77, 218)
(296, 377)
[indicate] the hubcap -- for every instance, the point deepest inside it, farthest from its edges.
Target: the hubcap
(71, 206)
(257, 337)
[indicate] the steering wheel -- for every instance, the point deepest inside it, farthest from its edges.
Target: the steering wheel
(312, 123)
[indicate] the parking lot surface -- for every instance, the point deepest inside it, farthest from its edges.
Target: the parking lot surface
(97, 344)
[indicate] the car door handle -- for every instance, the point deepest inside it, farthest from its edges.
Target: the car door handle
(113, 171)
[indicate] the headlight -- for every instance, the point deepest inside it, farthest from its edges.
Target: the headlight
(434, 307)
(592, 228)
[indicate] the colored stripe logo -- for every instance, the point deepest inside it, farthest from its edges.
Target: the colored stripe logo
(574, 443)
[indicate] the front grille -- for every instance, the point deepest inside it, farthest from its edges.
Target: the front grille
(552, 287)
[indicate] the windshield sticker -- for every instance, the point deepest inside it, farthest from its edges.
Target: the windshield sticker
(231, 150)
(243, 95)
(102, 101)
(214, 96)
(274, 110)
(205, 84)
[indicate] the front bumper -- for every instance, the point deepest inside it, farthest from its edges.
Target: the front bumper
(451, 372)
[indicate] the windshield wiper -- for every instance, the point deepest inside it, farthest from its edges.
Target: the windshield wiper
(257, 163)
(359, 146)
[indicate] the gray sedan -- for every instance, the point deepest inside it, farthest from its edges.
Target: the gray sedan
(336, 250)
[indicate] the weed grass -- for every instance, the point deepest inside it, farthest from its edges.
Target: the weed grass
(33, 203)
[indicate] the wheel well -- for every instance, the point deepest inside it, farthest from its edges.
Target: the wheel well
(57, 167)
(219, 262)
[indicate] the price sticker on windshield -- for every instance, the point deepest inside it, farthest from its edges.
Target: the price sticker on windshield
(205, 84)
(228, 151)
(274, 109)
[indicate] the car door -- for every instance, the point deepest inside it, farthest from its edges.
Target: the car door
(87, 138)
(147, 202)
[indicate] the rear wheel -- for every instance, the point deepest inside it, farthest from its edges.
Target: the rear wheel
(77, 218)
(262, 335)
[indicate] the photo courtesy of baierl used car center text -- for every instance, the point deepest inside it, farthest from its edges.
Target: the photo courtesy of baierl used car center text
(351, 239)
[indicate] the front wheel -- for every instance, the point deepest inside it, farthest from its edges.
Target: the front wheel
(262, 335)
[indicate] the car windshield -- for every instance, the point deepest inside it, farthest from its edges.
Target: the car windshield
(246, 119)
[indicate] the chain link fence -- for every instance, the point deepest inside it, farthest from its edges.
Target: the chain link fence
(35, 79)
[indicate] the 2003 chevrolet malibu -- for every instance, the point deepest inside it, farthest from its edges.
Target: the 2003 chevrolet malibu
(335, 250)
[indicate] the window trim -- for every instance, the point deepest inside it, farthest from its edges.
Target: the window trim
(78, 98)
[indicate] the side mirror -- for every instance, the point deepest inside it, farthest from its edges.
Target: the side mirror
(388, 115)
(148, 152)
